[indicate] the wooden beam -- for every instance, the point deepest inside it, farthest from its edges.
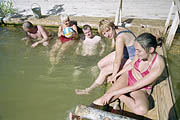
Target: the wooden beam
(177, 3)
(118, 18)
(173, 30)
(96, 114)
(169, 17)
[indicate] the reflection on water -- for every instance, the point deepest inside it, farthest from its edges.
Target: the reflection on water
(28, 92)
(174, 67)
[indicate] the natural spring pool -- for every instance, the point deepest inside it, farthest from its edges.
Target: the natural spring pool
(28, 92)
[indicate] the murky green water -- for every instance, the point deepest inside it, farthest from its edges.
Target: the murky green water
(174, 68)
(28, 92)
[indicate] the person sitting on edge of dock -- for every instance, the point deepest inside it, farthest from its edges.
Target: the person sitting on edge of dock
(112, 63)
(89, 45)
(134, 82)
(36, 34)
(67, 33)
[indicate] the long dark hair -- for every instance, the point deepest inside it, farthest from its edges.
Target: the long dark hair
(147, 40)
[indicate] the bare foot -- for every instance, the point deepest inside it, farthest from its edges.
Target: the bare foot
(81, 92)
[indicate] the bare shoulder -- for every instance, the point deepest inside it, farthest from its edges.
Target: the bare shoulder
(73, 25)
(97, 37)
(160, 63)
(41, 28)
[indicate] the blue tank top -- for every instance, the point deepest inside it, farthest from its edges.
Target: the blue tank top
(129, 51)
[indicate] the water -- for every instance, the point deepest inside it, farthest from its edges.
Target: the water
(28, 92)
(174, 68)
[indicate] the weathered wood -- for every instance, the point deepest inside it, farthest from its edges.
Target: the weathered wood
(169, 17)
(164, 100)
(172, 31)
(118, 18)
(177, 3)
(96, 114)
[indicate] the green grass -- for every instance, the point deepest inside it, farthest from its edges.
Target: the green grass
(6, 7)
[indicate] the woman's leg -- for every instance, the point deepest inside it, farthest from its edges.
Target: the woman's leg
(137, 102)
(99, 81)
(64, 46)
(53, 50)
(120, 83)
(109, 59)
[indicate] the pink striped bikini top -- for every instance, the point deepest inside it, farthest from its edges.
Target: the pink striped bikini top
(136, 66)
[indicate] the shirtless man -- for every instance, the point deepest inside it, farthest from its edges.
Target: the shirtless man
(35, 32)
(90, 45)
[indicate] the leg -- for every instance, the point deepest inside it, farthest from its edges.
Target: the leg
(52, 54)
(62, 49)
(55, 47)
(120, 83)
(99, 81)
(109, 59)
(137, 102)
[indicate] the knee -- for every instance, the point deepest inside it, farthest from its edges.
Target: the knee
(140, 110)
(46, 43)
(100, 65)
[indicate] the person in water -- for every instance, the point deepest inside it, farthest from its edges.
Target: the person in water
(36, 34)
(113, 62)
(135, 81)
(63, 41)
(89, 46)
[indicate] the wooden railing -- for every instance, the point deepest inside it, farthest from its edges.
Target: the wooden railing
(175, 23)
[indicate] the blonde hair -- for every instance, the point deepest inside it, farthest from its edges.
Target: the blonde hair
(104, 25)
(64, 17)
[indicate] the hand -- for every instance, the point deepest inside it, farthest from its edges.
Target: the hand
(111, 79)
(81, 92)
(35, 44)
(106, 98)
(25, 38)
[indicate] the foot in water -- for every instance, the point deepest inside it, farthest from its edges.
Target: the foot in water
(74, 117)
(51, 69)
(81, 92)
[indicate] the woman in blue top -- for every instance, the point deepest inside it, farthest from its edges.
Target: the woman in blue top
(111, 64)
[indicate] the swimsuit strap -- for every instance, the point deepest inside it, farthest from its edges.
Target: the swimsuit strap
(136, 66)
(152, 62)
(126, 31)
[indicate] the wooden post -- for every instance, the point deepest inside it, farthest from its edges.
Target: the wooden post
(169, 17)
(177, 3)
(172, 31)
(96, 114)
(118, 14)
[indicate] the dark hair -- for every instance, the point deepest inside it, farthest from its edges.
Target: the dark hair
(147, 40)
(27, 24)
(85, 27)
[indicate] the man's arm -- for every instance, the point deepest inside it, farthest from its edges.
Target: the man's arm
(44, 35)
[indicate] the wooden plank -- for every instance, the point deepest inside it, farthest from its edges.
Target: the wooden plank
(96, 114)
(177, 3)
(173, 30)
(118, 17)
(169, 17)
